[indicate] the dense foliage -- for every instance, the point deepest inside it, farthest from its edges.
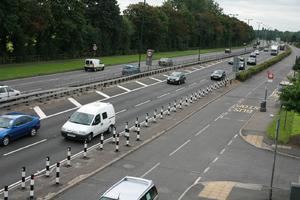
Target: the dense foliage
(52, 27)
(292, 37)
(291, 94)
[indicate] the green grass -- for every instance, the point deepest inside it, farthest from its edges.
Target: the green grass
(292, 127)
(21, 70)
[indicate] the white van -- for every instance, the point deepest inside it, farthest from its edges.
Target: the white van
(93, 64)
(90, 120)
(131, 188)
(6, 92)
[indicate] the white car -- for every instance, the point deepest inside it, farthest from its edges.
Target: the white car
(89, 121)
(256, 52)
(6, 92)
(251, 61)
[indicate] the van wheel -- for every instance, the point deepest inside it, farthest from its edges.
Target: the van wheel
(5, 141)
(89, 138)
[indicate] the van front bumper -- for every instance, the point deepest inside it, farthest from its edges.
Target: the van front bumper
(73, 136)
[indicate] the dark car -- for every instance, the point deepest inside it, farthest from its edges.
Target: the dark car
(227, 50)
(176, 78)
(218, 75)
(242, 65)
(16, 125)
(165, 62)
(130, 69)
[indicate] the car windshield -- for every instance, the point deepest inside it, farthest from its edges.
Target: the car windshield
(5, 122)
(218, 72)
(81, 118)
(176, 74)
(164, 59)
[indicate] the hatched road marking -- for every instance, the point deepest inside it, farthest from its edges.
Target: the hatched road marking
(39, 112)
(143, 84)
(73, 101)
(124, 88)
(102, 94)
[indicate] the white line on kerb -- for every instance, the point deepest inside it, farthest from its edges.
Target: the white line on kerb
(201, 131)
(206, 170)
(147, 172)
(124, 110)
(215, 160)
(124, 88)
(39, 112)
(163, 95)
(229, 143)
(179, 148)
(25, 147)
(73, 101)
(223, 150)
(156, 79)
(102, 94)
(143, 84)
(137, 105)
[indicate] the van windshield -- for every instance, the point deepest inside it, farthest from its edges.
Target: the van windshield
(81, 118)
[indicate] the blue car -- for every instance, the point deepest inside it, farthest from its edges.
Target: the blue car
(16, 125)
(130, 69)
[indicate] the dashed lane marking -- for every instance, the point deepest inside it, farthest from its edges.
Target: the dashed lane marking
(147, 172)
(73, 101)
(124, 88)
(102, 94)
(179, 89)
(229, 143)
(156, 79)
(206, 170)
(39, 112)
(171, 154)
(215, 160)
(143, 84)
(121, 111)
(202, 130)
(137, 105)
(223, 150)
(165, 75)
(163, 95)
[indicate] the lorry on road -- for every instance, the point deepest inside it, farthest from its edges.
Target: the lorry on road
(274, 50)
(93, 65)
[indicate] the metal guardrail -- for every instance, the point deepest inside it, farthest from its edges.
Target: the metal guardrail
(92, 85)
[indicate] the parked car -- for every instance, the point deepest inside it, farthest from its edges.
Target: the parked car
(93, 65)
(256, 52)
(176, 78)
(227, 50)
(231, 60)
(89, 121)
(266, 49)
(251, 61)
(165, 62)
(16, 125)
(130, 69)
(6, 92)
(218, 74)
(253, 55)
(131, 188)
(241, 58)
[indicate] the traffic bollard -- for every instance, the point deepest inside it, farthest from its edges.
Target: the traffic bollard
(101, 141)
(154, 115)
(114, 134)
(127, 135)
(191, 98)
(31, 192)
(23, 174)
(117, 143)
(85, 149)
(175, 106)
(146, 120)
(162, 112)
(180, 103)
(6, 192)
(69, 157)
(136, 123)
(138, 134)
(47, 166)
(169, 109)
(186, 101)
(57, 173)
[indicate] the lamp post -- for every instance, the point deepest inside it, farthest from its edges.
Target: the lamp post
(141, 35)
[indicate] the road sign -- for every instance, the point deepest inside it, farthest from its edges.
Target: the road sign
(149, 57)
(270, 76)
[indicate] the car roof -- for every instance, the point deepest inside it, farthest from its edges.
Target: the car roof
(128, 66)
(11, 116)
(219, 70)
(93, 108)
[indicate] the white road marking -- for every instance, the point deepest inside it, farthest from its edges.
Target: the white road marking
(206, 170)
(147, 172)
(202, 80)
(188, 71)
(137, 105)
(229, 143)
(201, 131)
(223, 150)
(179, 89)
(192, 84)
(102, 94)
(197, 180)
(156, 79)
(121, 111)
(235, 135)
(215, 160)
(34, 90)
(39, 112)
(143, 84)
(124, 88)
(179, 148)
(165, 75)
(241, 120)
(163, 95)
(73, 101)
(25, 147)
(195, 68)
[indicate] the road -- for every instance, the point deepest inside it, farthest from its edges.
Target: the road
(206, 147)
(60, 80)
(129, 104)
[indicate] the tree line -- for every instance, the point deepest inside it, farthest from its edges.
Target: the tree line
(287, 36)
(52, 27)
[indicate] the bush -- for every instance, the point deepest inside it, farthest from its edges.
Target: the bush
(244, 75)
(296, 66)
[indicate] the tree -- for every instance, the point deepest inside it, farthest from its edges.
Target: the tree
(290, 95)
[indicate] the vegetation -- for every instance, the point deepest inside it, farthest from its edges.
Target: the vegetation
(246, 74)
(292, 37)
(296, 66)
(68, 29)
(290, 95)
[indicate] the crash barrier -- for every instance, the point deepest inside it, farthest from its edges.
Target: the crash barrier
(115, 138)
(41, 96)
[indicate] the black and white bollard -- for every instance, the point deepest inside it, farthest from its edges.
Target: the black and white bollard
(69, 157)
(191, 98)
(147, 120)
(117, 142)
(169, 109)
(101, 141)
(31, 192)
(127, 135)
(47, 166)
(6, 192)
(85, 149)
(175, 106)
(57, 173)
(136, 124)
(114, 134)
(186, 101)
(23, 174)
(154, 115)
(162, 112)
(180, 103)
(138, 134)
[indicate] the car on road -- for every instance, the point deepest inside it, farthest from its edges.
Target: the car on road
(241, 58)
(130, 70)
(176, 78)
(256, 52)
(218, 74)
(253, 55)
(89, 121)
(266, 49)
(93, 65)
(227, 50)
(16, 125)
(231, 61)
(165, 62)
(251, 61)
(242, 65)
(131, 188)
(6, 92)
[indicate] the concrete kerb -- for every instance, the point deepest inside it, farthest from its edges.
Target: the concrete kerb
(82, 178)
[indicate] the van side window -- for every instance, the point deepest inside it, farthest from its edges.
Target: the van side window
(104, 115)
(97, 120)
(153, 192)
(2, 90)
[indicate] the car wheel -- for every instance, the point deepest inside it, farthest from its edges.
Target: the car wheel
(5, 141)
(89, 138)
(33, 132)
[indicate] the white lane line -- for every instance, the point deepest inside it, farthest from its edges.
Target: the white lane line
(156, 79)
(102, 94)
(195, 68)
(165, 75)
(39, 112)
(241, 120)
(34, 90)
(179, 148)
(218, 118)
(202, 130)
(229, 143)
(124, 88)
(121, 111)
(179, 89)
(143, 84)
(223, 150)
(197, 180)
(215, 160)
(202, 80)
(163, 95)
(192, 84)
(206, 170)
(235, 135)
(188, 71)
(73, 101)
(183, 194)
(25, 147)
(147, 172)
(137, 105)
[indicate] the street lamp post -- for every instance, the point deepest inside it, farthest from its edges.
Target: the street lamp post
(141, 35)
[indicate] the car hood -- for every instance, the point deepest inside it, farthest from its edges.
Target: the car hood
(3, 132)
(173, 77)
(215, 74)
(71, 127)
